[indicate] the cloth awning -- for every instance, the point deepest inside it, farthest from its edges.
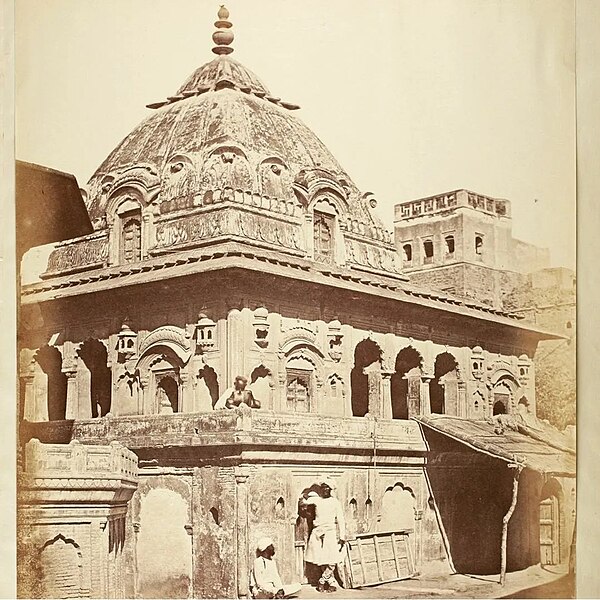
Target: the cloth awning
(532, 443)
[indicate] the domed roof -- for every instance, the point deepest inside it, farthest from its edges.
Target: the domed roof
(222, 129)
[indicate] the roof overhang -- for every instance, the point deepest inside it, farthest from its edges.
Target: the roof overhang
(232, 255)
(521, 447)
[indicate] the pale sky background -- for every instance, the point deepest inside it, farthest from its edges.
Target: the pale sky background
(413, 97)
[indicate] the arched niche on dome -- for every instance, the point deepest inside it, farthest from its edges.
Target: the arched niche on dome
(180, 183)
(327, 213)
(130, 221)
(275, 179)
(226, 168)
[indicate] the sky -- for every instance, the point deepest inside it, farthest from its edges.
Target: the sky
(413, 97)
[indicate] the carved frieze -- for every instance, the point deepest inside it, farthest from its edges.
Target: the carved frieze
(225, 221)
(81, 253)
(370, 255)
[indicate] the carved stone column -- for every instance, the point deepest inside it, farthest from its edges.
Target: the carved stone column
(462, 399)
(69, 369)
(31, 412)
(414, 400)
(241, 489)
(374, 386)
(147, 407)
(187, 393)
(386, 393)
(425, 402)
(72, 408)
(235, 345)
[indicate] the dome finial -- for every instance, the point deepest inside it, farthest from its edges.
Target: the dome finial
(223, 36)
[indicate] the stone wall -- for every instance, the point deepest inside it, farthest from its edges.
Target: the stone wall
(72, 505)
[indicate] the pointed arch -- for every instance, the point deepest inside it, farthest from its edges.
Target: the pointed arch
(443, 389)
(406, 383)
(94, 355)
(49, 359)
(366, 353)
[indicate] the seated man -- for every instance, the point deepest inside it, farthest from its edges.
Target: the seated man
(264, 579)
(241, 395)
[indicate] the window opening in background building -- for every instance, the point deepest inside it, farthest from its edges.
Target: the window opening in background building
(428, 251)
(479, 245)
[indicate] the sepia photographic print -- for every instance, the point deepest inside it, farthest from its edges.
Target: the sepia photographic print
(297, 301)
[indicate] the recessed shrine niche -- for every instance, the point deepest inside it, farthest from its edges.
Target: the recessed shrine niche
(226, 168)
(275, 179)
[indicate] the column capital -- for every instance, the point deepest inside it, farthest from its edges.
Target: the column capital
(241, 474)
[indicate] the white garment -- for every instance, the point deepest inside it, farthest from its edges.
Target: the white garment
(265, 578)
(323, 546)
(265, 575)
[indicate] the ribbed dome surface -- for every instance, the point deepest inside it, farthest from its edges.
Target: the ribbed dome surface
(221, 69)
(197, 125)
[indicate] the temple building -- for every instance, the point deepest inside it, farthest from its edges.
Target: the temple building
(227, 241)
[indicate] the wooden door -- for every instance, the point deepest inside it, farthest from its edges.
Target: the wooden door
(549, 531)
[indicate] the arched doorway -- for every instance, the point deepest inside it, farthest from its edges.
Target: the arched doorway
(94, 356)
(366, 353)
(50, 361)
(502, 398)
(406, 383)
(550, 523)
(499, 408)
(207, 388)
(443, 389)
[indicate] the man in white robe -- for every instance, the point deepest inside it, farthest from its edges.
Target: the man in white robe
(327, 538)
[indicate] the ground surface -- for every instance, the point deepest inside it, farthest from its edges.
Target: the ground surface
(535, 582)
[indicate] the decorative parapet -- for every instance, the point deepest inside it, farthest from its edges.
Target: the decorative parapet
(71, 519)
(75, 461)
(256, 427)
(368, 230)
(450, 201)
(78, 254)
(282, 206)
(370, 255)
(227, 221)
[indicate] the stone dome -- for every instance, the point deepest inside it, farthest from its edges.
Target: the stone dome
(223, 128)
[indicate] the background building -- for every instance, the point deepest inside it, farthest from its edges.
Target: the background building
(461, 243)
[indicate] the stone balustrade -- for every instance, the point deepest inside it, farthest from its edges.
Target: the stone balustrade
(289, 207)
(243, 425)
(113, 461)
(450, 201)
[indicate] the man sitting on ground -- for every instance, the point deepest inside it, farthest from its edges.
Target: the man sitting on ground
(264, 580)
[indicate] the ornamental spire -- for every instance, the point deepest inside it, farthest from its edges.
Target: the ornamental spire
(223, 36)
